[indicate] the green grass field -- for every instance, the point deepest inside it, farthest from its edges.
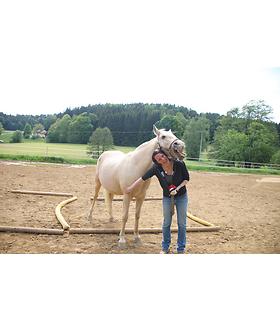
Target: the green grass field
(39, 150)
(43, 149)
(6, 136)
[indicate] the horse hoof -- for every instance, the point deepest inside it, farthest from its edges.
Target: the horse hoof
(122, 244)
(138, 241)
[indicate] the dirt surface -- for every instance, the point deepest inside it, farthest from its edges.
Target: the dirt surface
(246, 207)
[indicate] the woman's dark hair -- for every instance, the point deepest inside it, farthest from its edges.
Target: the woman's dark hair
(157, 151)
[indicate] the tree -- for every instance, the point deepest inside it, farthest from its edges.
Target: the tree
(63, 128)
(27, 131)
(58, 131)
(1, 128)
(257, 144)
(231, 145)
(16, 137)
(276, 157)
(182, 123)
(175, 123)
(231, 122)
(49, 120)
(252, 121)
(94, 120)
(53, 133)
(80, 129)
(170, 122)
(196, 136)
(100, 140)
(256, 110)
(262, 143)
(214, 123)
(233, 113)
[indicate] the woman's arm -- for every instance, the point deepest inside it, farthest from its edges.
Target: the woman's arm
(134, 185)
(183, 183)
(175, 191)
(140, 180)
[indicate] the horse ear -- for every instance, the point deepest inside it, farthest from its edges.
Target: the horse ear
(156, 131)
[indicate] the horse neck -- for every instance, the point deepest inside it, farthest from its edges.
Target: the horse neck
(142, 155)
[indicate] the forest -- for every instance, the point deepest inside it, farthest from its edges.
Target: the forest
(130, 124)
(243, 134)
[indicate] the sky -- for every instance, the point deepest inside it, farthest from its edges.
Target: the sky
(210, 56)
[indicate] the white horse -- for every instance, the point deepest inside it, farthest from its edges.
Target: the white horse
(116, 171)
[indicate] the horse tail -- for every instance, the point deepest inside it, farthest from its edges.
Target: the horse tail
(96, 191)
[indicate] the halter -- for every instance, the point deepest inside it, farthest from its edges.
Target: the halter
(170, 146)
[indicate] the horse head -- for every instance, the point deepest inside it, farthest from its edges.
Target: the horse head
(171, 145)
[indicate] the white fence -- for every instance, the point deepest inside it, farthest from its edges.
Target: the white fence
(238, 164)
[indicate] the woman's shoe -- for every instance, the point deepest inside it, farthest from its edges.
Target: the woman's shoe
(165, 251)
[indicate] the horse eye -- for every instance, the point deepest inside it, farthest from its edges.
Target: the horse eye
(163, 137)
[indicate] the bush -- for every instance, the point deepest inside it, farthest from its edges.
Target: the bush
(21, 157)
(16, 137)
(276, 158)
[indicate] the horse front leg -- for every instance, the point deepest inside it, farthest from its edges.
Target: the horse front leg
(108, 202)
(126, 202)
(139, 203)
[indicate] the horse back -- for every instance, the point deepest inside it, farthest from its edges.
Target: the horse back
(108, 170)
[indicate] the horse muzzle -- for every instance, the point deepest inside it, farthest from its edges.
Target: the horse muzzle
(177, 149)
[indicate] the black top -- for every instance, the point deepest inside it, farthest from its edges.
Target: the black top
(180, 173)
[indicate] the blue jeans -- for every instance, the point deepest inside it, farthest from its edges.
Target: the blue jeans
(181, 204)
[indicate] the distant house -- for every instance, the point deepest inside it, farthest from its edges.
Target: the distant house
(39, 134)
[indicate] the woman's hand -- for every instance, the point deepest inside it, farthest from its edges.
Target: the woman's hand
(173, 192)
(133, 186)
(127, 190)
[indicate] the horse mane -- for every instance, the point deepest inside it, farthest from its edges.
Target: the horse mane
(143, 145)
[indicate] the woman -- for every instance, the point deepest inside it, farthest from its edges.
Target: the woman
(173, 177)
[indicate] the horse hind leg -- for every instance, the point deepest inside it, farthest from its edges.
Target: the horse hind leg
(126, 202)
(108, 202)
(96, 192)
(137, 238)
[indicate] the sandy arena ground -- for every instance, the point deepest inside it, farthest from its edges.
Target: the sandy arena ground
(246, 207)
